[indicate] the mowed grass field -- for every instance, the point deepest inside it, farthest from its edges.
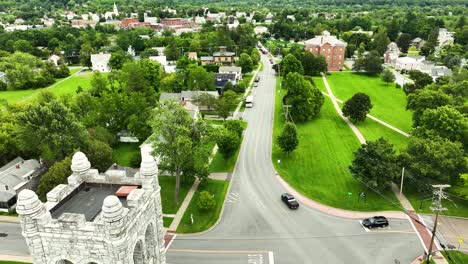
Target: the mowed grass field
(318, 168)
(59, 88)
(389, 103)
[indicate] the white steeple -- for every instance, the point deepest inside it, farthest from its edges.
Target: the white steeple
(116, 11)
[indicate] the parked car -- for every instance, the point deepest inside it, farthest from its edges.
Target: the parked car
(256, 84)
(257, 79)
(376, 221)
(271, 61)
(289, 200)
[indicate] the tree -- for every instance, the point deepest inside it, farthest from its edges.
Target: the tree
(388, 76)
(222, 107)
(99, 154)
(85, 55)
(425, 99)
(118, 59)
(305, 100)
(445, 122)
(393, 28)
(255, 56)
(291, 64)
(207, 100)
(313, 65)
(436, 158)
(288, 139)
(98, 84)
(57, 174)
(206, 201)
(357, 107)
(420, 79)
(234, 126)
(245, 62)
(228, 142)
(199, 79)
(171, 139)
(403, 41)
(370, 63)
(50, 130)
(375, 163)
(381, 42)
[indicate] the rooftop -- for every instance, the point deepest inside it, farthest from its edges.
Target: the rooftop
(325, 38)
(87, 199)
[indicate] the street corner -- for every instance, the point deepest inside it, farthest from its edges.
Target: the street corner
(394, 226)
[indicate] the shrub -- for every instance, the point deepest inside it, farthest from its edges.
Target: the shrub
(206, 201)
(135, 161)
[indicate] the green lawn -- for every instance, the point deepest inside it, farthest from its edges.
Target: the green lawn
(12, 262)
(167, 184)
(68, 86)
(123, 153)
(202, 220)
(318, 168)
(167, 221)
(456, 257)
(389, 102)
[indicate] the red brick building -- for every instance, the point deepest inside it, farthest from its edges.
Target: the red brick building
(329, 47)
(126, 22)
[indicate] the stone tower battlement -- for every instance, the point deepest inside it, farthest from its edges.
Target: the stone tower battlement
(96, 218)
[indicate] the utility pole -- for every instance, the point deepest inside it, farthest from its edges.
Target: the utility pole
(402, 176)
(436, 207)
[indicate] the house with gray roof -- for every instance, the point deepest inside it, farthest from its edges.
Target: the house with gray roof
(14, 177)
(231, 69)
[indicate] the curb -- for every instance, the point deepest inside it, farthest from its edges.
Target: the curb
(332, 211)
(16, 258)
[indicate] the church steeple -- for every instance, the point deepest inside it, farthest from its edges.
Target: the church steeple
(116, 11)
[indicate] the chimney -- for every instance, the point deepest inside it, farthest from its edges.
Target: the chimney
(17, 166)
(321, 39)
(6, 187)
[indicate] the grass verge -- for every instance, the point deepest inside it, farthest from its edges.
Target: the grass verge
(318, 168)
(12, 262)
(202, 220)
(167, 221)
(455, 257)
(167, 184)
(123, 153)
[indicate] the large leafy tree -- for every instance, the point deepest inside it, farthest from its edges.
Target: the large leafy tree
(380, 42)
(99, 154)
(228, 142)
(50, 130)
(370, 63)
(199, 79)
(425, 99)
(288, 140)
(245, 62)
(305, 99)
(357, 107)
(85, 54)
(291, 64)
(57, 174)
(436, 158)
(176, 137)
(313, 65)
(446, 122)
(375, 164)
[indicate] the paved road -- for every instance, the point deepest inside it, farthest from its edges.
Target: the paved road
(11, 240)
(256, 221)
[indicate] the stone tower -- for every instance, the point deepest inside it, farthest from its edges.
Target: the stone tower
(116, 11)
(96, 218)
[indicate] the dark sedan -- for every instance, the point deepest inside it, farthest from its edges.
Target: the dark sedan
(376, 221)
(289, 200)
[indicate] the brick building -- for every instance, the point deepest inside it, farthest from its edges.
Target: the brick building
(330, 47)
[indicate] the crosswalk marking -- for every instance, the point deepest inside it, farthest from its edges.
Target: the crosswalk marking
(232, 197)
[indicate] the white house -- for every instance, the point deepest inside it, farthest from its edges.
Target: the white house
(168, 68)
(231, 69)
(100, 62)
(392, 53)
(445, 37)
(55, 59)
(408, 63)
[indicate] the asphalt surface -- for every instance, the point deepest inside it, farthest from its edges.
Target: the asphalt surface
(256, 227)
(256, 221)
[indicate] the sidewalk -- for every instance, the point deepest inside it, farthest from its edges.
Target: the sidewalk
(9, 219)
(356, 131)
(27, 259)
(183, 207)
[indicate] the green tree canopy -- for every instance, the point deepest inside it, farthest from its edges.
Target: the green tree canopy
(288, 140)
(375, 164)
(291, 64)
(357, 107)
